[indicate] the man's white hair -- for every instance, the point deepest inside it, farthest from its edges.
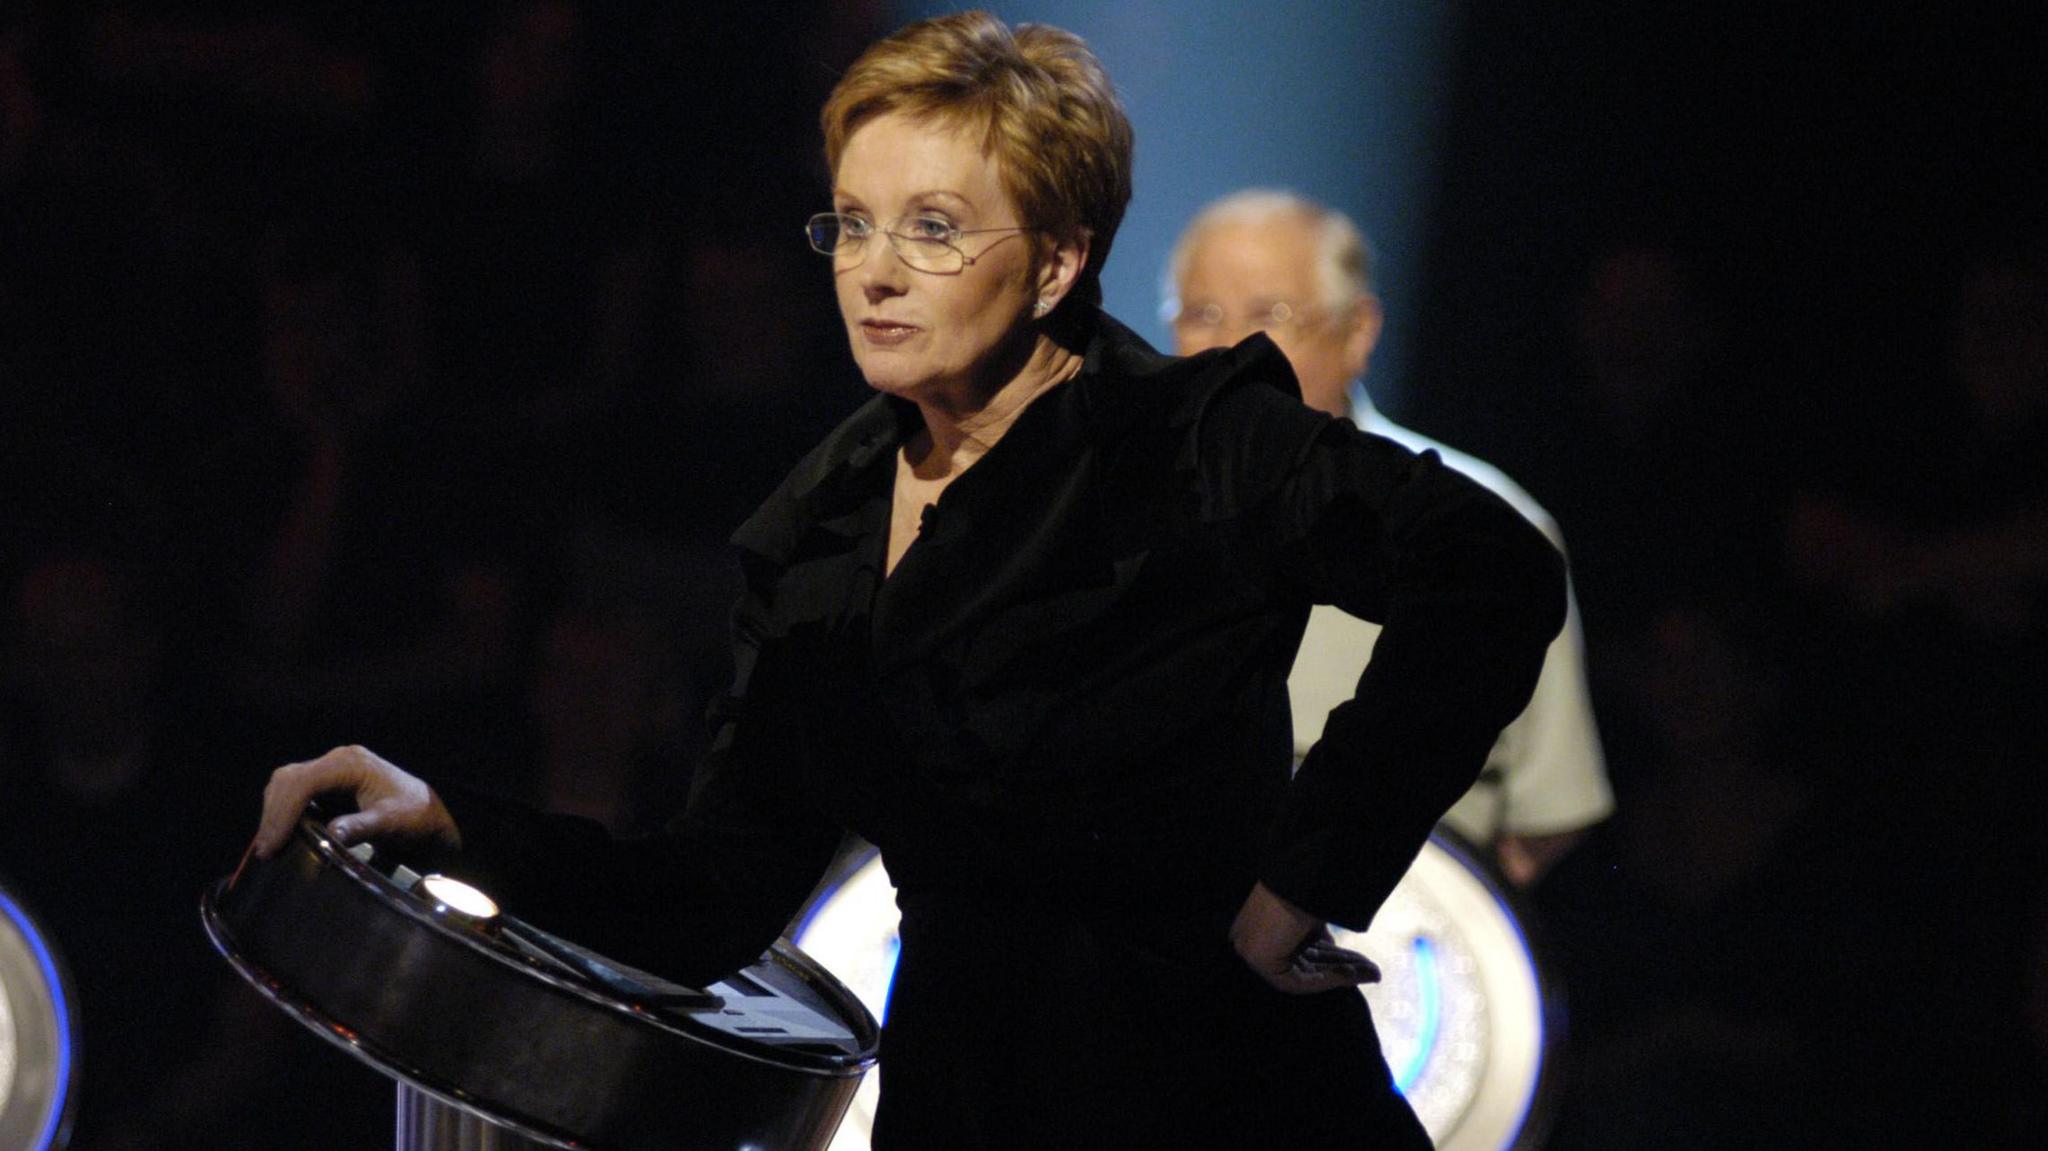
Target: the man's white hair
(1343, 258)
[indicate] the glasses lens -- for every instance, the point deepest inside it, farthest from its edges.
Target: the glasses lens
(927, 253)
(825, 233)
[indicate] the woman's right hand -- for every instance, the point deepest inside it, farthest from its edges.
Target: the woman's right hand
(1292, 949)
(389, 802)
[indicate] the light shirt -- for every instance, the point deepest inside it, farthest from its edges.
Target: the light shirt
(1546, 773)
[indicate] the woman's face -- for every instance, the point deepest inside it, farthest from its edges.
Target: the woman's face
(947, 340)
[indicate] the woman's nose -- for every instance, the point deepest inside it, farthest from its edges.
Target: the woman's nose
(882, 272)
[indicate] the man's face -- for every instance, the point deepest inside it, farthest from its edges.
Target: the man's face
(1261, 276)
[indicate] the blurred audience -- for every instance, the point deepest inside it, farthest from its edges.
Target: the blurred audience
(1811, 680)
(382, 591)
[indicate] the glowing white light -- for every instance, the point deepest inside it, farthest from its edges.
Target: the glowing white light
(459, 896)
(7, 1058)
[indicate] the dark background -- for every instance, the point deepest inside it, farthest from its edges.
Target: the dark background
(392, 373)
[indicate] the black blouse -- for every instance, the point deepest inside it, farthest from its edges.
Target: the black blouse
(1071, 692)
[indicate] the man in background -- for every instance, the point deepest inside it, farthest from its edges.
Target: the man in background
(1275, 262)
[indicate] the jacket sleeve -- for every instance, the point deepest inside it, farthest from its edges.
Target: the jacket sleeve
(1468, 594)
(710, 892)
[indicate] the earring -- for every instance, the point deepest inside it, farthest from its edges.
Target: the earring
(1041, 308)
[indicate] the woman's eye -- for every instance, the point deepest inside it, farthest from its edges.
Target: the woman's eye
(930, 228)
(854, 226)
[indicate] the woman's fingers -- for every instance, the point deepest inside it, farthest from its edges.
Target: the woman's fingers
(293, 786)
(376, 821)
(413, 812)
(1325, 958)
(1292, 949)
(1268, 931)
(1315, 983)
(351, 828)
(1321, 965)
(388, 801)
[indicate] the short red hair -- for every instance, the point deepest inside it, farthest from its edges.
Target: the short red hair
(1040, 100)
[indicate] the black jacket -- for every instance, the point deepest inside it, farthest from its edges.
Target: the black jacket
(1063, 719)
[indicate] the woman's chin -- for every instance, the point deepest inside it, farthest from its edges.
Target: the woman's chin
(892, 377)
(889, 385)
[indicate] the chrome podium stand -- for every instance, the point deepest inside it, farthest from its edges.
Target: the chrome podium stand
(427, 1124)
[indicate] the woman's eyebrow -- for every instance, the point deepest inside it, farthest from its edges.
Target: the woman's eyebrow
(942, 194)
(915, 197)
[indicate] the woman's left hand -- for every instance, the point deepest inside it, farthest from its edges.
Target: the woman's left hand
(1292, 950)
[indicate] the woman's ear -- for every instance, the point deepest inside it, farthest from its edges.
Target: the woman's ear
(1060, 270)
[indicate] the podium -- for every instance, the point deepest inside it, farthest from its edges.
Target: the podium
(500, 1035)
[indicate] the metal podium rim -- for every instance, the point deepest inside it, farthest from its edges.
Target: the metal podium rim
(364, 1051)
(265, 922)
(369, 880)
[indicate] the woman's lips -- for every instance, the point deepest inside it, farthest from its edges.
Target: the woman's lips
(886, 333)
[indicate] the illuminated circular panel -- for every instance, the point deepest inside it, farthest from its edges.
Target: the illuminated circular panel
(36, 1056)
(1460, 1007)
(7, 1056)
(851, 932)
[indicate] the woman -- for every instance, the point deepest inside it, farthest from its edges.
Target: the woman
(1024, 622)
